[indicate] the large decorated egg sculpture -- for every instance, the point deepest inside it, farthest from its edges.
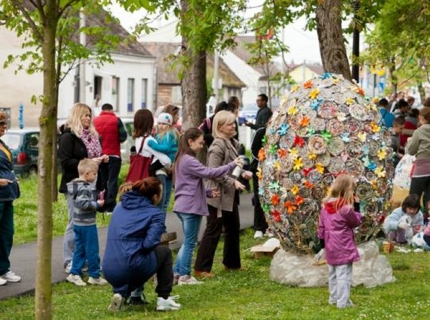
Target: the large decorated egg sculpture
(324, 128)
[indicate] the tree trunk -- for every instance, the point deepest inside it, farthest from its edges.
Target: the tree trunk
(330, 37)
(193, 84)
(43, 307)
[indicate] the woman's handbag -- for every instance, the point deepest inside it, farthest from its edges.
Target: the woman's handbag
(139, 166)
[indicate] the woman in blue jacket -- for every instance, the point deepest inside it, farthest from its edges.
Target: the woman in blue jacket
(9, 191)
(133, 254)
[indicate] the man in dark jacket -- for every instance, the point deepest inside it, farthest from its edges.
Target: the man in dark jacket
(263, 115)
(112, 132)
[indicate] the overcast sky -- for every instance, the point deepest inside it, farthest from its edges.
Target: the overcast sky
(303, 44)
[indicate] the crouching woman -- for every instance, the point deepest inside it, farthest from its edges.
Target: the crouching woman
(133, 254)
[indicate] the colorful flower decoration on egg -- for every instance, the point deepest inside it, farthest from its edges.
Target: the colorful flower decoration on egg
(324, 128)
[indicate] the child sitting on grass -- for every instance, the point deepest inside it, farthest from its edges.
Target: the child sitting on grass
(84, 224)
(396, 228)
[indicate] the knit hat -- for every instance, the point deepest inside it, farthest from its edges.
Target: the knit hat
(165, 118)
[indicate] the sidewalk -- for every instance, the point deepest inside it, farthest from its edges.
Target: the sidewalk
(23, 257)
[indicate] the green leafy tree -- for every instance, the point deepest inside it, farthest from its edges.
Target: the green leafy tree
(399, 42)
(50, 32)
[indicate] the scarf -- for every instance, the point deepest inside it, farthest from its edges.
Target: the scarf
(92, 143)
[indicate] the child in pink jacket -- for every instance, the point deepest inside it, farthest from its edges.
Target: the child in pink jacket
(336, 232)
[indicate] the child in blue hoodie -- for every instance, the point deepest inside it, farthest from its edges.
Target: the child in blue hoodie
(167, 143)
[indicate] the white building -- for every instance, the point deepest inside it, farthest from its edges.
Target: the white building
(128, 83)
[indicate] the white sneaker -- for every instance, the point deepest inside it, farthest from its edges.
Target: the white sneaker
(188, 280)
(168, 304)
(10, 276)
(258, 234)
(97, 281)
(76, 279)
(116, 303)
(2, 281)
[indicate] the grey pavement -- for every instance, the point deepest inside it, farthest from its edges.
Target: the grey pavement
(23, 257)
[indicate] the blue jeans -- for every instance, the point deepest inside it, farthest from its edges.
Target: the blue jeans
(86, 249)
(166, 181)
(190, 227)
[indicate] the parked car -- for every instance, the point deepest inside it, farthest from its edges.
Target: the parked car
(248, 113)
(24, 145)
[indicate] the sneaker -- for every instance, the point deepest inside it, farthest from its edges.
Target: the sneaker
(68, 267)
(258, 234)
(2, 281)
(168, 304)
(116, 303)
(97, 281)
(10, 276)
(76, 279)
(188, 280)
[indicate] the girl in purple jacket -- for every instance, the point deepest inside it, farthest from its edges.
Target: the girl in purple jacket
(190, 197)
(337, 221)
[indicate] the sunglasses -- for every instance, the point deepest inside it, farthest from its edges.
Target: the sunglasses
(3, 123)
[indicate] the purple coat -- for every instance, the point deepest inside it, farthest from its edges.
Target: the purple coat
(337, 230)
(190, 192)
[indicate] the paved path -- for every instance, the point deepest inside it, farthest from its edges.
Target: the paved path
(23, 257)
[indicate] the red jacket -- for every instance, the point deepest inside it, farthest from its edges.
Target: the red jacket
(108, 126)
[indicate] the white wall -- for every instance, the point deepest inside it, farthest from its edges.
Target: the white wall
(125, 67)
(17, 88)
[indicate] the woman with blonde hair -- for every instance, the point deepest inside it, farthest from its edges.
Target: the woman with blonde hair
(79, 139)
(223, 210)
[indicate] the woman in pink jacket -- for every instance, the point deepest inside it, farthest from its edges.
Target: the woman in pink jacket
(336, 233)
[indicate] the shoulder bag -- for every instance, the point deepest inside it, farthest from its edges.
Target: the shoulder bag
(139, 166)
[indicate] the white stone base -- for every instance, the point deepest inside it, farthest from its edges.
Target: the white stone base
(294, 269)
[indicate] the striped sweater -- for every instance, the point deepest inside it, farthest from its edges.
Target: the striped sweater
(84, 202)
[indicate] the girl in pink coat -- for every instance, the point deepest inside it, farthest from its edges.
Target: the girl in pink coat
(336, 232)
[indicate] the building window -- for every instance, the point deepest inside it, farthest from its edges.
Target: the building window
(130, 95)
(144, 93)
(177, 95)
(115, 95)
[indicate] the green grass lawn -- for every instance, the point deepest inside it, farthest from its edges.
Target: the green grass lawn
(250, 294)
(247, 294)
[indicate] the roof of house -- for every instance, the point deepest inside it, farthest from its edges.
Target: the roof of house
(243, 53)
(129, 47)
(166, 75)
(314, 67)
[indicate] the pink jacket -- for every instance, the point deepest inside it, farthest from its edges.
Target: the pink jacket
(336, 228)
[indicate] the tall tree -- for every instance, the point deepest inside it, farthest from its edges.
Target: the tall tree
(49, 29)
(399, 42)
